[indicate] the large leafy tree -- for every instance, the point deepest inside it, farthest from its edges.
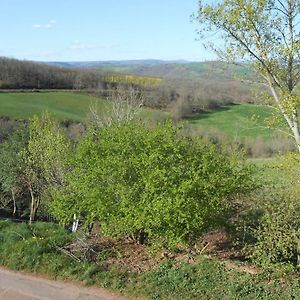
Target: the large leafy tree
(266, 34)
(33, 161)
(149, 183)
(44, 159)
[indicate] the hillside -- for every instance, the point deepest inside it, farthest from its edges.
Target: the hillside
(236, 121)
(169, 69)
(63, 105)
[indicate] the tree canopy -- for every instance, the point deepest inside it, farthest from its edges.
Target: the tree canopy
(266, 34)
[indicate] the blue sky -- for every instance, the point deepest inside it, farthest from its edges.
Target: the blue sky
(87, 30)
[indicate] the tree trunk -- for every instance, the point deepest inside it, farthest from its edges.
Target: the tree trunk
(14, 201)
(35, 201)
(295, 129)
(292, 121)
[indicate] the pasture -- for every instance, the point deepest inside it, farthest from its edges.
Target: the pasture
(64, 105)
(236, 121)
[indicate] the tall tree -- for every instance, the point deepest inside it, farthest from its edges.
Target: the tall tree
(44, 159)
(266, 34)
(11, 165)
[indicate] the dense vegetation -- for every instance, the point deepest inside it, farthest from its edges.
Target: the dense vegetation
(154, 186)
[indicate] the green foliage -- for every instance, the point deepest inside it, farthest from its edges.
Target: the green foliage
(11, 162)
(33, 160)
(47, 151)
(151, 183)
(23, 246)
(278, 235)
(12, 185)
(209, 279)
(44, 159)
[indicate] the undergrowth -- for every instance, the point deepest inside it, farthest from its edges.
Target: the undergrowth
(36, 249)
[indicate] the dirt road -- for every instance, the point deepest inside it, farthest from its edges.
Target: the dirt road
(19, 286)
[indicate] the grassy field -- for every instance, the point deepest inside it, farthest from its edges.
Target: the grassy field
(64, 105)
(236, 121)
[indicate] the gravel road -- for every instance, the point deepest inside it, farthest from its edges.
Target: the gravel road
(20, 286)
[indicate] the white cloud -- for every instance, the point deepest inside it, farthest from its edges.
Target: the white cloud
(48, 25)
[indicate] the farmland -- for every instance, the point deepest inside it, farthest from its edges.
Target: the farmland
(233, 121)
(64, 105)
(236, 121)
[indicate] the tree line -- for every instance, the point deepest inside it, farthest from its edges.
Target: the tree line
(180, 96)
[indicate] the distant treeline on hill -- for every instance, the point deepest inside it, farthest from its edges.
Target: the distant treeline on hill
(16, 74)
(183, 96)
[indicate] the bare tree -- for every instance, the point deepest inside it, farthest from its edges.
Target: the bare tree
(126, 104)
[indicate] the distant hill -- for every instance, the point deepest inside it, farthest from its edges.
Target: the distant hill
(167, 69)
(115, 63)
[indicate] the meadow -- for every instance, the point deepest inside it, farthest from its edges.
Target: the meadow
(64, 105)
(236, 121)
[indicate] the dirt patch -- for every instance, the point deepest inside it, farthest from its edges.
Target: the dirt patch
(107, 252)
(128, 254)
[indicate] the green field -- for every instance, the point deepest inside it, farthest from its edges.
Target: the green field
(64, 105)
(236, 121)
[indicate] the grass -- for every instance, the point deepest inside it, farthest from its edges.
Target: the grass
(236, 121)
(34, 249)
(64, 105)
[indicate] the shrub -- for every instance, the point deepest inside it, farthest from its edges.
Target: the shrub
(278, 234)
(150, 183)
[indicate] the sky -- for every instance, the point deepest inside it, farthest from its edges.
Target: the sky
(93, 30)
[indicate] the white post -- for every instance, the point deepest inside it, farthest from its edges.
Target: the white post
(75, 224)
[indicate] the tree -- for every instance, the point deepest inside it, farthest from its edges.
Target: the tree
(12, 165)
(150, 184)
(126, 104)
(266, 34)
(44, 159)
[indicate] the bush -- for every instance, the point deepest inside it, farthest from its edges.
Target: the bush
(150, 183)
(278, 234)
